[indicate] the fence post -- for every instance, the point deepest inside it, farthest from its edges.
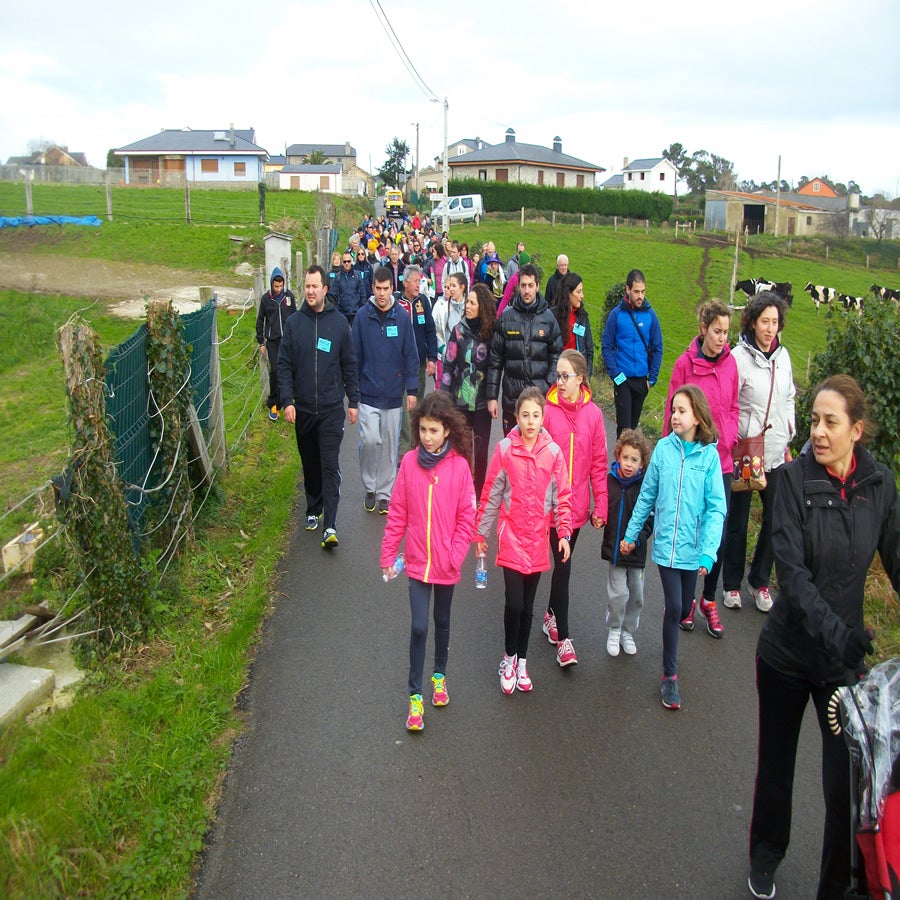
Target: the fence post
(867, 260)
(615, 224)
(298, 268)
(582, 221)
(553, 219)
(826, 251)
(522, 225)
(187, 201)
(29, 205)
(109, 216)
(217, 447)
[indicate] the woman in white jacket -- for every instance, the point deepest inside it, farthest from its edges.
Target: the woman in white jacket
(764, 366)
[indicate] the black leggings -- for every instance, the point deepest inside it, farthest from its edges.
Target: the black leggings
(678, 590)
(558, 604)
(419, 601)
(519, 610)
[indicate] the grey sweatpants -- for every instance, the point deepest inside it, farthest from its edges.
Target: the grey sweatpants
(625, 589)
(379, 440)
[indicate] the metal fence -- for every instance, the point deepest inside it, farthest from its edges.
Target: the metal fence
(129, 403)
(62, 174)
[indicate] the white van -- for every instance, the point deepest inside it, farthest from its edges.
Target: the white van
(466, 208)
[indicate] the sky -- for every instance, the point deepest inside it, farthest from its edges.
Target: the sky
(813, 82)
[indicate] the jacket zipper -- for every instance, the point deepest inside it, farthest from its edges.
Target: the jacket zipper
(428, 531)
(677, 508)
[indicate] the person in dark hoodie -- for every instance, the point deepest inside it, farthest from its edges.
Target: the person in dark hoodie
(524, 349)
(275, 307)
(625, 584)
(347, 288)
(316, 368)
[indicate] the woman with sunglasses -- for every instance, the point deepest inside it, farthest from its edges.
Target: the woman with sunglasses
(576, 424)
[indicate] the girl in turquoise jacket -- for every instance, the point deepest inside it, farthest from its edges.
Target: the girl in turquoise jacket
(683, 488)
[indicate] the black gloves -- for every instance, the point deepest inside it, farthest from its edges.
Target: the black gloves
(859, 643)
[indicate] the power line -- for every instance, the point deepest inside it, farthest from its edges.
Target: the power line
(398, 46)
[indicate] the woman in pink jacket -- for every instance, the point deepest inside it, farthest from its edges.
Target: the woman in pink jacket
(709, 364)
(433, 504)
(576, 424)
(526, 492)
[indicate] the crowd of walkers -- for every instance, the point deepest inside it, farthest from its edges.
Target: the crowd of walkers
(429, 343)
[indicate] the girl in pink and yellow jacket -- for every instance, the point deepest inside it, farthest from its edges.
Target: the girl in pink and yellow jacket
(526, 492)
(433, 505)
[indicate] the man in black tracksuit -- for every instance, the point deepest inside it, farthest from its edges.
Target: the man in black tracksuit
(275, 307)
(316, 368)
(524, 350)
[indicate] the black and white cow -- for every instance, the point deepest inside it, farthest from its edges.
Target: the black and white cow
(820, 294)
(885, 293)
(752, 286)
(749, 285)
(851, 302)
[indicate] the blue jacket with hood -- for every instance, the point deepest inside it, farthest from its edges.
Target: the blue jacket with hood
(624, 353)
(683, 487)
(386, 354)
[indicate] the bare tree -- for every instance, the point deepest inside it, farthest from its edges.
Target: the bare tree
(879, 222)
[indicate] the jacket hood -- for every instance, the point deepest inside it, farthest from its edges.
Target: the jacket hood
(698, 355)
(554, 397)
(543, 438)
(748, 341)
(277, 273)
(375, 307)
(614, 471)
(539, 303)
(625, 305)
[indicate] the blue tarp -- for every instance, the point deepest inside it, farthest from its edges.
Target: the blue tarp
(16, 221)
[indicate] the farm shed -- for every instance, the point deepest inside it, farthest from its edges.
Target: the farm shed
(327, 178)
(736, 210)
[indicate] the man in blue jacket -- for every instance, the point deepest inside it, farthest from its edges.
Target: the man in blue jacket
(316, 368)
(388, 362)
(632, 351)
(348, 288)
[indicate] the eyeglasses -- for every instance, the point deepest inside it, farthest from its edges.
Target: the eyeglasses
(346, 260)
(565, 376)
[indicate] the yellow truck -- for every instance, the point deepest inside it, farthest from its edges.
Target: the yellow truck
(393, 203)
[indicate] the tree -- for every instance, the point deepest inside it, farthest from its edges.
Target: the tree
(677, 155)
(39, 144)
(113, 161)
(879, 222)
(706, 171)
(394, 171)
(316, 158)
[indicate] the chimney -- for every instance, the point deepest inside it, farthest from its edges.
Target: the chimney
(510, 136)
(557, 144)
(624, 162)
(231, 135)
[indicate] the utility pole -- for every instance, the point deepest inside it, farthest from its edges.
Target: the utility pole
(778, 195)
(446, 154)
(418, 201)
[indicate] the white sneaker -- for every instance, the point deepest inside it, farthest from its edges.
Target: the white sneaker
(732, 599)
(612, 641)
(762, 597)
(507, 672)
(523, 681)
(628, 644)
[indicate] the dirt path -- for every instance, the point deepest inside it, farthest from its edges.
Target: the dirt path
(129, 283)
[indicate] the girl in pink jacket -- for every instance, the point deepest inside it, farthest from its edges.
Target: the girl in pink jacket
(575, 423)
(526, 491)
(433, 505)
(708, 363)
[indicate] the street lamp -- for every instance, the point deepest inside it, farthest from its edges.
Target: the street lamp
(446, 153)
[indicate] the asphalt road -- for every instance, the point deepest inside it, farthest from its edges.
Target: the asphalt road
(587, 787)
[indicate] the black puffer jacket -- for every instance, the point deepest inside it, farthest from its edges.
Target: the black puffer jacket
(823, 548)
(525, 349)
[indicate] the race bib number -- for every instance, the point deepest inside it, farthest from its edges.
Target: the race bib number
(579, 330)
(391, 331)
(420, 320)
(324, 345)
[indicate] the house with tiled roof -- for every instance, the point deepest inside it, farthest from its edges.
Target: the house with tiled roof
(50, 156)
(173, 156)
(651, 174)
(817, 187)
(522, 163)
(327, 178)
(757, 212)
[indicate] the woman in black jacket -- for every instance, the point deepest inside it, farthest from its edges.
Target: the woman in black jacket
(834, 508)
(574, 323)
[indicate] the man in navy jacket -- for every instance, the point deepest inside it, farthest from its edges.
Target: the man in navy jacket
(348, 288)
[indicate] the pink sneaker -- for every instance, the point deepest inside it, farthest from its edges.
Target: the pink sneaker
(439, 696)
(565, 654)
(507, 673)
(523, 682)
(549, 628)
(713, 625)
(687, 623)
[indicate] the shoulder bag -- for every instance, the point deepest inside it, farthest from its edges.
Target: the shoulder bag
(749, 454)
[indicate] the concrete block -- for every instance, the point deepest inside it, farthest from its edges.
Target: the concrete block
(22, 688)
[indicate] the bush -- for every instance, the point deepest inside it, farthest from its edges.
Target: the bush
(502, 196)
(864, 346)
(614, 297)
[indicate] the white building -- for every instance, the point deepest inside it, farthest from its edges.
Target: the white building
(327, 178)
(656, 174)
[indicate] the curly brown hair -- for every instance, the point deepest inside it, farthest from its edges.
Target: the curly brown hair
(439, 405)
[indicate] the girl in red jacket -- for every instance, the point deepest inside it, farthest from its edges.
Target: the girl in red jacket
(526, 491)
(575, 422)
(433, 504)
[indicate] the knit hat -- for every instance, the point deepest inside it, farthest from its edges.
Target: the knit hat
(524, 258)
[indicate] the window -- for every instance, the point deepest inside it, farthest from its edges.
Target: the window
(540, 176)
(662, 176)
(809, 219)
(209, 165)
(816, 187)
(630, 176)
(240, 169)
(560, 179)
(501, 175)
(482, 174)
(323, 183)
(467, 203)
(579, 181)
(643, 175)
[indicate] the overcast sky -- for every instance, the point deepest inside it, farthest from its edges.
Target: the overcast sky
(816, 82)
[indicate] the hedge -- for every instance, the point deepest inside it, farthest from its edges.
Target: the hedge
(502, 196)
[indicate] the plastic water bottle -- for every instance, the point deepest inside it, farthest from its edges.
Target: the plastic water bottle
(480, 573)
(396, 569)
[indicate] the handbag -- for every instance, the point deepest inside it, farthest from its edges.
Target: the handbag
(749, 455)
